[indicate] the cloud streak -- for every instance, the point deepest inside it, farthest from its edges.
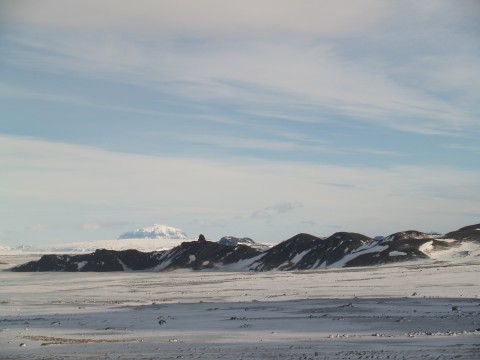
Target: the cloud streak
(257, 73)
(204, 18)
(91, 183)
(284, 207)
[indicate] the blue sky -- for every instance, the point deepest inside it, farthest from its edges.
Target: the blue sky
(254, 118)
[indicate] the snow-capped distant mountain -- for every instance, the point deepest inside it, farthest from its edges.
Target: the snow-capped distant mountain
(154, 238)
(235, 241)
(156, 231)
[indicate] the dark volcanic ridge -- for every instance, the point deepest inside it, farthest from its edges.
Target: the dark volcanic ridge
(301, 252)
(235, 241)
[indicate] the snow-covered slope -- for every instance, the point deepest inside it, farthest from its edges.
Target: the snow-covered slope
(156, 231)
(343, 249)
(301, 252)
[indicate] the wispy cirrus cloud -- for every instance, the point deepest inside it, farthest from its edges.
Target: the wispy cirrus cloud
(269, 212)
(209, 223)
(299, 68)
(203, 18)
(285, 206)
(16, 92)
(91, 226)
(261, 215)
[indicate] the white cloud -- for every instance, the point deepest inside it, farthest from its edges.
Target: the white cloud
(251, 143)
(285, 206)
(203, 17)
(71, 181)
(206, 223)
(465, 148)
(269, 212)
(261, 215)
(272, 69)
(259, 75)
(12, 91)
(39, 227)
(91, 226)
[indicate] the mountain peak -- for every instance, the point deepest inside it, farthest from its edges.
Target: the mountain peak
(156, 231)
(234, 241)
(246, 241)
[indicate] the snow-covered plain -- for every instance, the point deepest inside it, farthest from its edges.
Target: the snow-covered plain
(428, 310)
(155, 244)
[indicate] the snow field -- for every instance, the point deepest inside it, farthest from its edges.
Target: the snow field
(409, 311)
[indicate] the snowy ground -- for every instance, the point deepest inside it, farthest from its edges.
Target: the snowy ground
(406, 311)
(90, 246)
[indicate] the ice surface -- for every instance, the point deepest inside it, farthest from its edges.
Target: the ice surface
(415, 310)
(397, 253)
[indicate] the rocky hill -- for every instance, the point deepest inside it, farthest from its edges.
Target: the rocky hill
(301, 252)
(193, 255)
(469, 233)
(235, 241)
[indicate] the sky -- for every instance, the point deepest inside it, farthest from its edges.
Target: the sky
(258, 118)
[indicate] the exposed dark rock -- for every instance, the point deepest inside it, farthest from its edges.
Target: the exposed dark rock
(305, 251)
(467, 233)
(301, 252)
(398, 247)
(333, 249)
(234, 241)
(199, 255)
(408, 235)
(100, 260)
(280, 256)
(194, 255)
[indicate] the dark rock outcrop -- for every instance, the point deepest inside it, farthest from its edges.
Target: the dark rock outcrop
(194, 255)
(283, 256)
(234, 241)
(301, 252)
(100, 260)
(333, 249)
(467, 233)
(198, 255)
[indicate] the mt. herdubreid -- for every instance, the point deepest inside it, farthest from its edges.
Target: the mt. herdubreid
(155, 232)
(301, 252)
